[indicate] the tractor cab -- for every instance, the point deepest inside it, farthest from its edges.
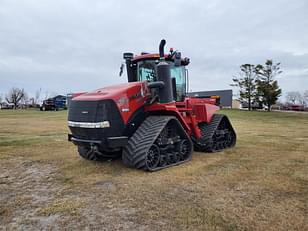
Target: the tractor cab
(144, 68)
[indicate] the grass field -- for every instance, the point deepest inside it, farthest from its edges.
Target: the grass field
(261, 184)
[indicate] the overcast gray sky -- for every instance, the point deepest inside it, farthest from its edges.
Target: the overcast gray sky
(65, 46)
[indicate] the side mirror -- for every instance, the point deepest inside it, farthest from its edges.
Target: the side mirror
(177, 59)
(128, 56)
(121, 69)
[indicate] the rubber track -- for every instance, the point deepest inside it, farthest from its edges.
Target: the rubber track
(207, 132)
(138, 145)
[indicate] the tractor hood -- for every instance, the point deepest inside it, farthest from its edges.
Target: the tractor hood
(115, 92)
(128, 97)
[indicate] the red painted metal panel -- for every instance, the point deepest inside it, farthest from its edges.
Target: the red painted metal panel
(129, 97)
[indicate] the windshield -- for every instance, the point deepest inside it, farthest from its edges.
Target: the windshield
(146, 71)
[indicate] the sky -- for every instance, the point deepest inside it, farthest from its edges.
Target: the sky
(61, 46)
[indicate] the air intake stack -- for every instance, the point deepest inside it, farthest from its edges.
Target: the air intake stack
(164, 75)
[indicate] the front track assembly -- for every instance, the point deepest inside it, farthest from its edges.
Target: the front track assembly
(158, 143)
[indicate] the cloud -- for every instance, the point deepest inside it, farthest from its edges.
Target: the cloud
(77, 45)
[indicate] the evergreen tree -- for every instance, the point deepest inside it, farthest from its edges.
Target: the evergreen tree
(267, 87)
(246, 81)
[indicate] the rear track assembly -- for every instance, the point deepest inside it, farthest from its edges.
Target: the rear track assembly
(215, 136)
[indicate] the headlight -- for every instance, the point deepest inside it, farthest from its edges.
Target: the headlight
(103, 124)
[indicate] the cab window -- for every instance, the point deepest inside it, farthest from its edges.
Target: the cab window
(179, 74)
(146, 71)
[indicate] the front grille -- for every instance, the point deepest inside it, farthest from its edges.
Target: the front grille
(95, 111)
(88, 111)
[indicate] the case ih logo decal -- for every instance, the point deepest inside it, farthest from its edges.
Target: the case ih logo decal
(123, 101)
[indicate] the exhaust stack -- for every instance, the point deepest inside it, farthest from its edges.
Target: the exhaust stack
(163, 74)
(161, 49)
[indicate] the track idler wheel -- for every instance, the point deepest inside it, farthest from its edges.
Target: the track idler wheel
(183, 149)
(163, 160)
(153, 157)
(173, 157)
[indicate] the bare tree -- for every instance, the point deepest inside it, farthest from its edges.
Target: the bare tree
(15, 96)
(37, 97)
(293, 97)
(46, 95)
(32, 101)
(25, 100)
(305, 97)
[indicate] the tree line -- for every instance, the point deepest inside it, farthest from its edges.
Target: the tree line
(18, 96)
(295, 97)
(257, 84)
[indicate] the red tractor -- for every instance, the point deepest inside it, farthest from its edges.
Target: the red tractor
(149, 121)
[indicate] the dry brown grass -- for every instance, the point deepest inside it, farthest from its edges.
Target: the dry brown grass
(262, 184)
(61, 206)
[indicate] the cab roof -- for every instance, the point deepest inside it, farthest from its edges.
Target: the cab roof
(147, 56)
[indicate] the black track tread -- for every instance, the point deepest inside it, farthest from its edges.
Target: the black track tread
(207, 131)
(134, 153)
(142, 139)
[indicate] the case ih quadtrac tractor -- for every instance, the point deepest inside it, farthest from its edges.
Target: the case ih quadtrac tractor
(150, 121)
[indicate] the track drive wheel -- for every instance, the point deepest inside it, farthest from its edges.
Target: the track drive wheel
(184, 149)
(153, 157)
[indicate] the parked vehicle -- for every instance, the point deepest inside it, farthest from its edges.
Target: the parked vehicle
(150, 121)
(54, 104)
(6, 105)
